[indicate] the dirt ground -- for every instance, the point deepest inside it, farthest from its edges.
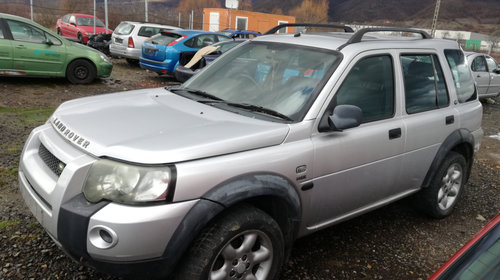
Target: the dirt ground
(394, 242)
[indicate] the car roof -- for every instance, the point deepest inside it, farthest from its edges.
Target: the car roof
(341, 41)
(241, 31)
(193, 32)
(9, 16)
(82, 15)
(150, 24)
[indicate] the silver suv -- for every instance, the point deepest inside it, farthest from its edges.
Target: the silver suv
(282, 136)
(128, 37)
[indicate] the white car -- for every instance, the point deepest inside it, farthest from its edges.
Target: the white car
(128, 37)
(486, 72)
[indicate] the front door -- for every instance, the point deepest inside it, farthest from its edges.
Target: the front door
(494, 76)
(481, 74)
(359, 167)
(36, 52)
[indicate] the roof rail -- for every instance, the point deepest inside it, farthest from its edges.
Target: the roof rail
(356, 38)
(278, 27)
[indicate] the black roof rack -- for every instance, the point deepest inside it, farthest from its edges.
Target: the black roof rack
(356, 38)
(278, 27)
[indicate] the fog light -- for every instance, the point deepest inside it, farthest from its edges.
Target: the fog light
(102, 237)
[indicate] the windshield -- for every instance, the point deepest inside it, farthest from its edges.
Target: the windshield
(88, 21)
(281, 77)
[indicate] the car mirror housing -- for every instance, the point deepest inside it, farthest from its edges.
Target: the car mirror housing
(48, 42)
(344, 117)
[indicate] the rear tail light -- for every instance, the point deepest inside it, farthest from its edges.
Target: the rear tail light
(131, 42)
(176, 41)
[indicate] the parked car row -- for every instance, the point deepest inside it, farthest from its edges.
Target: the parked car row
(163, 49)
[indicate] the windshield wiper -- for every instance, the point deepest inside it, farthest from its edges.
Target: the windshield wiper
(197, 92)
(255, 108)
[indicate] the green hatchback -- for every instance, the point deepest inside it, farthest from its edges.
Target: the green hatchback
(29, 49)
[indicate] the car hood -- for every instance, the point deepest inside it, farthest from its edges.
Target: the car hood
(155, 126)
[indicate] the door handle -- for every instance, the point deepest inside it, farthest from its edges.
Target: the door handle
(450, 119)
(395, 133)
(20, 47)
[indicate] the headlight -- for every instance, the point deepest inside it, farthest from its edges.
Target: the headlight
(127, 183)
(104, 57)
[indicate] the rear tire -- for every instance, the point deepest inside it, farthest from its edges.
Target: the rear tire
(81, 71)
(59, 31)
(440, 198)
(244, 242)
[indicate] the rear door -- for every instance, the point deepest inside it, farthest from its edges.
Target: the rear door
(429, 117)
(31, 52)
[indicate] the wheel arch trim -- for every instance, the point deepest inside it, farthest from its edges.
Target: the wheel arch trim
(461, 141)
(228, 194)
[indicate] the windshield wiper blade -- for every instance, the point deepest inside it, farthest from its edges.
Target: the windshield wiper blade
(197, 92)
(259, 109)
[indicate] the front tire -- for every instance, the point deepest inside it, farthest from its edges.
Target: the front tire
(245, 243)
(446, 188)
(81, 71)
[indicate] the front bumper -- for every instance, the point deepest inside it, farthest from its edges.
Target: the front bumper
(104, 69)
(104, 235)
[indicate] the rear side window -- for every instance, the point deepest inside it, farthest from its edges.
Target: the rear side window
(148, 31)
(124, 28)
(370, 86)
(163, 39)
(425, 88)
(462, 76)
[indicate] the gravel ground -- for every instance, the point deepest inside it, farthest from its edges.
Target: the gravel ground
(394, 242)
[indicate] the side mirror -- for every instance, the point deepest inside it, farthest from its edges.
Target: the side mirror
(344, 117)
(48, 42)
(73, 23)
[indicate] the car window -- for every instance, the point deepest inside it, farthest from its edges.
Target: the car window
(66, 18)
(284, 78)
(26, 33)
(222, 38)
(148, 31)
(370, 86)
(53, 39)
(1, 33)
(201, 41)
(425, 88)
(462, 76)
(492, 64)
(72, 19)
(88, 21)
(124, 28)
(479, 64)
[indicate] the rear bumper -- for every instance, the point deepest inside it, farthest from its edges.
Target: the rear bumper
(160, 67)
(125, 52)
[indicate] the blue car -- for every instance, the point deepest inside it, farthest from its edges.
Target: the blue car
(161, 52)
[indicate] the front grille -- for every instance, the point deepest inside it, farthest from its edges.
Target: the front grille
(54, 164)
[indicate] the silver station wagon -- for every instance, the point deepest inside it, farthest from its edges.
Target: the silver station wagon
(282, 136)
